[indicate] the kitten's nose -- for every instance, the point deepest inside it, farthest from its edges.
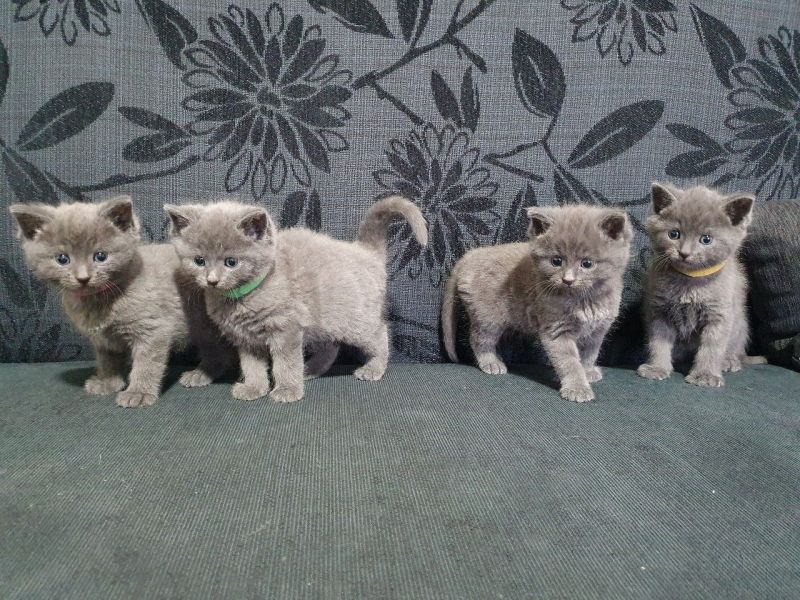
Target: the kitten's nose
(568, 282)
(212, 282)
(82, 280)
(683, 255)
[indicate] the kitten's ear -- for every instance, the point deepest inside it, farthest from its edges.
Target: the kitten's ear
(180, 217)
(739, 208)
(31, 218)
(540, 221)
(616, 225)
(662, 196)
(256, 225)
(119, 211)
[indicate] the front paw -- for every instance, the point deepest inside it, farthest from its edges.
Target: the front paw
(286, 394)
(577, 393)
(594, 374)
(195, 378)
(134, 399)
(105, 386)
(731, 364)
(248, 392)
(649, 371)
(368, 373)
(705, 379)
(493, 366)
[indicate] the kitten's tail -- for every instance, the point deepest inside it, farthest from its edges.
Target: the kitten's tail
(755, 360)
(448, 316)
(372, 232)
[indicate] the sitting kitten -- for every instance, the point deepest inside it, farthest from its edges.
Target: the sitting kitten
(564, 286)
(123, 296)
(696, 287)
(273, 292)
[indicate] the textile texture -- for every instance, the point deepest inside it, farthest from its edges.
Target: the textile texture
(427, 484)
(475, 109)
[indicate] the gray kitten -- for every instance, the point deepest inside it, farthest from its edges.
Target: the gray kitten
(565, 286)
(696, 287)
(125, 297)
(275, 292)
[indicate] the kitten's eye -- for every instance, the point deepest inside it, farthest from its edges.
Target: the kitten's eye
(62, 259)
(231, 262)
(587, 263)
(674, 234)
(200, 261)
(706, 239)
(556, 261)
(100, 256)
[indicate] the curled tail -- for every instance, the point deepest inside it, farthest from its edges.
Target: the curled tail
(755, 360)
(372, 232)
(448, 316)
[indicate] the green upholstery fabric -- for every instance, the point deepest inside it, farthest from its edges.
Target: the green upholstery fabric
(436, 482)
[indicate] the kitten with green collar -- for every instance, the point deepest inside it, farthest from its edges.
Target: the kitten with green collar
(274, 293)
(129, 299)
(696, 288)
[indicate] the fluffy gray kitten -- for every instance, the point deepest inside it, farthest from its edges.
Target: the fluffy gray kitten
(275, 292)
(565, 286)
(696, 289)
(125, 297)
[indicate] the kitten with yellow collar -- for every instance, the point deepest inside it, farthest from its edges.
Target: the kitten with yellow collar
(696, 287)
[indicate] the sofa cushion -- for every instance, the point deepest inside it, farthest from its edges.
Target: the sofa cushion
(436, 482)
(772, 256)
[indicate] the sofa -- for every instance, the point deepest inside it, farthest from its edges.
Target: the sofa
(437, 481)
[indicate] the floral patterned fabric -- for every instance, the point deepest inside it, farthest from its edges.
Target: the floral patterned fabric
(474, 109)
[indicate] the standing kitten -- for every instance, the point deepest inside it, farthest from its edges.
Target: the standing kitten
(565, 286)
(696, 287)
(273, 292)
(123, 296)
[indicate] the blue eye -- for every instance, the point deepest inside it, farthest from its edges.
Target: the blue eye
(706, 239)
(100, 256)
(587, 263)
(62, 259)
(231, 262)
(200, 261)
(674, 234)
(556, 261)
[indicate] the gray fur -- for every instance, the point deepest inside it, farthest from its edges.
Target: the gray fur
(318, 293)
(706, 316)
(516, 286)
(133, 307)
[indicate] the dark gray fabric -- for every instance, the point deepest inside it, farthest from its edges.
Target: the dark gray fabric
(771, 254)
(475, 109)
(437, 482)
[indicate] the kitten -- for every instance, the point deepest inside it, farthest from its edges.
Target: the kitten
(565, 286)
(273, 292)
(696, 288)
(125, 297)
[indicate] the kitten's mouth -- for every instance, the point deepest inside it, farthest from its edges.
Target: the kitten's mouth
(87, 291)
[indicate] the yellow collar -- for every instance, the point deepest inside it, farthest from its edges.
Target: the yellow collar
(702, 272)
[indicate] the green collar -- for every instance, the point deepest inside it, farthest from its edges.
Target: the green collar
(243, 290)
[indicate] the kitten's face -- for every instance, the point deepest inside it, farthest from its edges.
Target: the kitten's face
(224, 245)
(80, 247)
(698, 227)
(578, 248)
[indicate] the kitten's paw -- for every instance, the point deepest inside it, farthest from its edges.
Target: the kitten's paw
(594, 374)
(195, 378)
(103, 387)
(135, 399)
(577, 394)
(285, 395)
(493, 366)
(649, 371)
(705, 379)
(248, 392)
(369, 373)
(731, 364)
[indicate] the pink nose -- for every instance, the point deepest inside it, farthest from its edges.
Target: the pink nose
(82, 280)
(568, 282)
